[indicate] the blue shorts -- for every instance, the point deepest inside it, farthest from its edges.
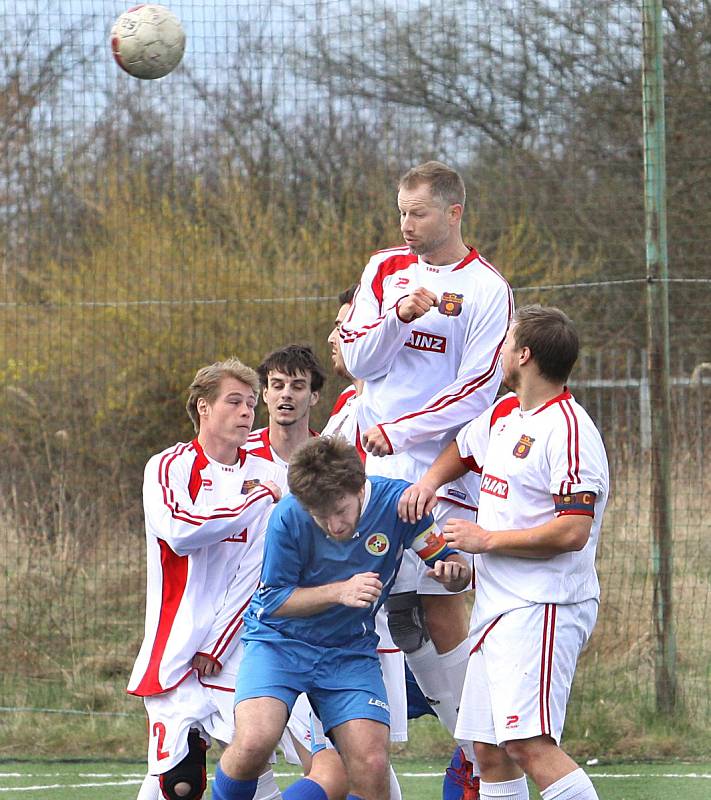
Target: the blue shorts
(341, 686)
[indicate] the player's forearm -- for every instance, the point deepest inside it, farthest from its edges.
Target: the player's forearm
(452, 407)
(187, 528)
(307, 601)
(368, 352)
(563, 534)
(448, 466)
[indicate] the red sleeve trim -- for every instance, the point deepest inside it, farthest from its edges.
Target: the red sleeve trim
(342, 399)
(390, 444)
(470, 463)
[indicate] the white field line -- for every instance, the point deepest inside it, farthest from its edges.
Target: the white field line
(132, 779)
(69, 786)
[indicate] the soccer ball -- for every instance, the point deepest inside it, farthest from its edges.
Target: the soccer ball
(147, 41)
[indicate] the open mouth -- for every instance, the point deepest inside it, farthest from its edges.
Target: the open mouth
(285, 407)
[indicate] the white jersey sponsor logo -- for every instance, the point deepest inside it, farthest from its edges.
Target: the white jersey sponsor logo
(431, 342)
(496, 486)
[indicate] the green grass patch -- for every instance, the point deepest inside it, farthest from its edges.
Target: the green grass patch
(420, 779)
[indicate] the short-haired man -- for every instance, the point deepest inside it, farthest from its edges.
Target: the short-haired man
(206, 506)
(425, 333)
(332, 550)
(543, 492)
(291, 378)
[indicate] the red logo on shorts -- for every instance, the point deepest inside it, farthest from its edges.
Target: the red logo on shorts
(512, 721)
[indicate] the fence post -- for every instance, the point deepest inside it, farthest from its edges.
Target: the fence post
(658, 351)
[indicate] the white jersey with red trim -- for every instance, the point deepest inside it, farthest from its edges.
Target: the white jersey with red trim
(259, 444)
(531, 462)
(344, 419)
(205, 525)
(426, 378)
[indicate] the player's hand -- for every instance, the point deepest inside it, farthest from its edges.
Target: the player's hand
(466, 536)
(375, 443)
(206, 665)
(273, 488)
(452, 573)
(361, 590)
(416, 501)
(416, 304)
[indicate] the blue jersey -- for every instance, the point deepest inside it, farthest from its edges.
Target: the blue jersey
(299, 554)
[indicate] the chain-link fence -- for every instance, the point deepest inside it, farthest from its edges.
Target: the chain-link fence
(149, 227)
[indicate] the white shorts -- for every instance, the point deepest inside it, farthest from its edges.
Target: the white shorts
(173, 714)
(208, 705)
(518, 681)
(392, 665)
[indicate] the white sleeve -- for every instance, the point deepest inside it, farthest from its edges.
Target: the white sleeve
(473, 441)
(371, 337)
(576, 455)
(223, 636)
(172, 516)
(473, 391)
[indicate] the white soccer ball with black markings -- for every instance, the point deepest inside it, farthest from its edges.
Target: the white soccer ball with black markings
(148, 41)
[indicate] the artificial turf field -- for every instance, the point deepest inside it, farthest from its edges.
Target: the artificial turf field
(420, 780)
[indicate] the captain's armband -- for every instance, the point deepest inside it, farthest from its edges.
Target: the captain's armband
(430, 546)
(582, 503)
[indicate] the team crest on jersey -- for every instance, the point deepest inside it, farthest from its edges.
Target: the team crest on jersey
(523, 446)
(250, 484)
(451, 304)
(377, 544)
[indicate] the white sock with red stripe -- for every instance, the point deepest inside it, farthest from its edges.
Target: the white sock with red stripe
(576, 785)
(511, 790)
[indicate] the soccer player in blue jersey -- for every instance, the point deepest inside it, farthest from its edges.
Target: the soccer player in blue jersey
(332, 551)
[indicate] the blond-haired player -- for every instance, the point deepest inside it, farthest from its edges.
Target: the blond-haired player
(206, 506)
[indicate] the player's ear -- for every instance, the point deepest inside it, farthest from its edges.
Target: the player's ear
(456, 210)
(314, 398)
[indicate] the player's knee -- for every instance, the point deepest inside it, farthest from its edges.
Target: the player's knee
(406, 621)
(490, 758)
(371, 773)
(445, 619)
(525, 752)
(188, 779)
(328, 771)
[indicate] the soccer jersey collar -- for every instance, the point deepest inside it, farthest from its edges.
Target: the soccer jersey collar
(366, 500)
(444, 268)
(564, 395)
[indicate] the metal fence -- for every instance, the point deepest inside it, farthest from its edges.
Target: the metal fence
(149, 227)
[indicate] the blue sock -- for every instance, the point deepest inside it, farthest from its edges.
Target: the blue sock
(226, 788)
(304, 789)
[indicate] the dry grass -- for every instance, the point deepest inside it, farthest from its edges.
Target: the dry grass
(73, 620)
